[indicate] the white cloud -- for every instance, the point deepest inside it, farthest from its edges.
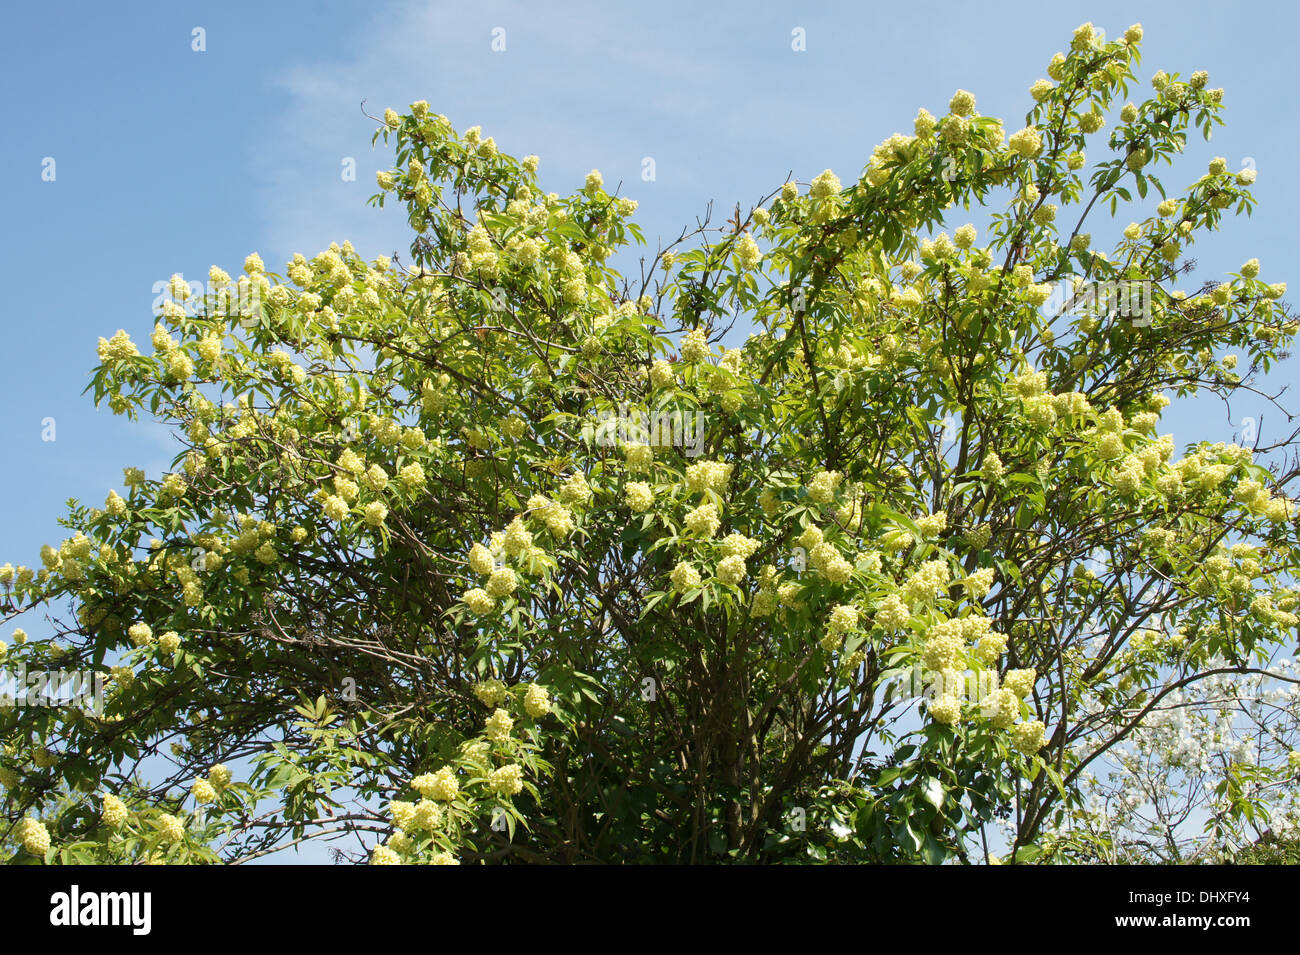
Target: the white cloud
(582, 88)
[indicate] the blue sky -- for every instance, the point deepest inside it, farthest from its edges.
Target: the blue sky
(170, 160)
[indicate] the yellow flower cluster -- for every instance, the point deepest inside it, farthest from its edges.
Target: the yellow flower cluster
(498, 726)
(991, 644)
(694, 346)
(490, 692)
(483, 257)
(979, 583)
(1028, 737)
(382, 855)
(925, 581)
(1001, 707)
(684, 576)
(444, 786)
(1091, 121)
(944, 647)
(748, 253)
(738, 545)
(962, 103)
(933, 524)
(334, 506)
(825, 185)
(478, 601)
(412, 476)
(1027, 142)
(575, 490)
(557, 518)
(427, 815)
(924, 123)
(842, 619)
(203, 791)
(118, 348)
(703, 521)
(114, 505)
(537, 701)
(173, 485)
(517, 539)
(435, 398)
(826, 559)
(731, 570)
(33, 835)
(506, 780)
(945, 709)
(480, 560)
(640, 497)
(502, 582)
(1030, 383)
(1254, 497)
(892, 614)
(43, 758)
(170, 828)
(1072, 403)
(375, 478)
(403, 813)
(1040, 411)
(113, 813)
(661, 372)
(1084, 37)
(640, 457)
(707, 476)
(1020, 682)
(823, 486)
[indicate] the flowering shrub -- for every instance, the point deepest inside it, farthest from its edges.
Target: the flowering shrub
(391, 591)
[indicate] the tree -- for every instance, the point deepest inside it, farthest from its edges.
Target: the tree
(497, 555)
(1207, 777)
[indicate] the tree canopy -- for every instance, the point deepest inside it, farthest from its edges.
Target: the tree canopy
(841, 530)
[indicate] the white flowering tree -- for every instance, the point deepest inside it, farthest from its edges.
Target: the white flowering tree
(1198, 780)
(496, 554)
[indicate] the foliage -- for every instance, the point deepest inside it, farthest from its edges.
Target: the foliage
(423, 580)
